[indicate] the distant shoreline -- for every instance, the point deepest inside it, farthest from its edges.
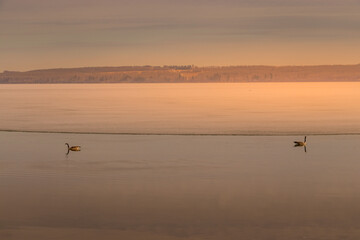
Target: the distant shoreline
(95, 83)
(185, 74)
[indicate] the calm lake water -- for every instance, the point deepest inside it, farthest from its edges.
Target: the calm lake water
(178, 187)
(171, 187)
(233, 108)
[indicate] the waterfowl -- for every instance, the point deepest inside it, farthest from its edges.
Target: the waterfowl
(300, 143)
(73, 148)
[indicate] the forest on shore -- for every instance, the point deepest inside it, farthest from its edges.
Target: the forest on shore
(186, 74)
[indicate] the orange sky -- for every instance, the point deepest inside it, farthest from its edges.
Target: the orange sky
(72, 33)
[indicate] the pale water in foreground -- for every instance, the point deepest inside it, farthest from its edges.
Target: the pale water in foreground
(233, 108)
(178, 187)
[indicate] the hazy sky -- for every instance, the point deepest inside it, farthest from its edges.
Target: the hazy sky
(71, 33)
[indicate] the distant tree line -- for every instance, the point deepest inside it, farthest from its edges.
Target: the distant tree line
(185, 73)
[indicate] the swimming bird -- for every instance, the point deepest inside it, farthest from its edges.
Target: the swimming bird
(73, 148)
(300, 143)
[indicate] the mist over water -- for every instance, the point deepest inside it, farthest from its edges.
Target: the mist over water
(231, 108)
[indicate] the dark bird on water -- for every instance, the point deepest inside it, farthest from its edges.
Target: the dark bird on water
(73, 148)
(301, 144)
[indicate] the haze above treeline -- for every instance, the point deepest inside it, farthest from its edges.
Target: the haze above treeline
(186, 74)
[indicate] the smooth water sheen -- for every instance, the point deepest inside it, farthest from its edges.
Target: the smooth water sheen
(178, 187)
(217, 108)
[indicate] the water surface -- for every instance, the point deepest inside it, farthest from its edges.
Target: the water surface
(178, 187)
(217, 108)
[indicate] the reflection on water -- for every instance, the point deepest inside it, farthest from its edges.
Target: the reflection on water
(304, 147)
(178, 187)
(238, 108)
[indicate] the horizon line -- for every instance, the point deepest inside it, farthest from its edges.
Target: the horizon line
(181, 65)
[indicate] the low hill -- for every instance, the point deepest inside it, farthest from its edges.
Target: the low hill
(188, 73)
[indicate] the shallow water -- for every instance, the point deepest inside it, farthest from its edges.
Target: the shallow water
(217, 108)
(178, 187)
